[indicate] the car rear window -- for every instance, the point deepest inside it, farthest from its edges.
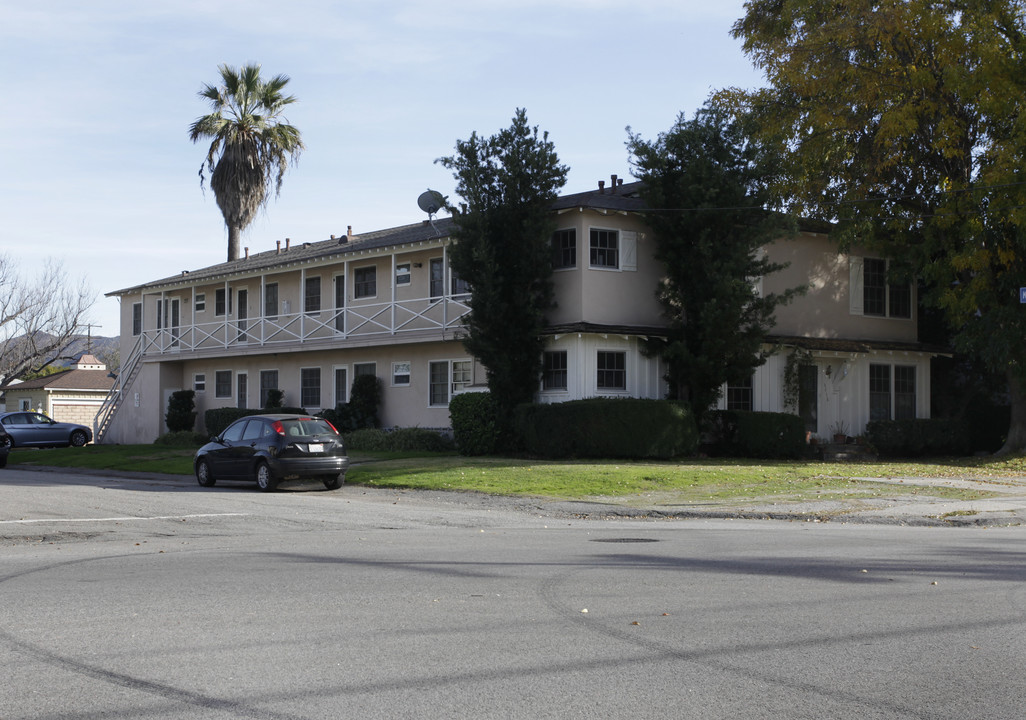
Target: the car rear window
(305, 427)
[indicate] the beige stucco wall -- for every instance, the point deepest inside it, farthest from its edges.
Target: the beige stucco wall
(602, 295)
(406, 405)
(825, 311)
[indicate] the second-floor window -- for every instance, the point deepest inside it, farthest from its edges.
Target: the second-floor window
(459, 286)
(201, 302)
(222, 301)
(365, 282)
(436, 282)
(271, 300)
(402, 274)
(564, 248)
(881, 298)
(604, 248)
(136, 318)
(312, 295)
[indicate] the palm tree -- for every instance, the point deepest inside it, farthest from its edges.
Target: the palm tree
(251, 144)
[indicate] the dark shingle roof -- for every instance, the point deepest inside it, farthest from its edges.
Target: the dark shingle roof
(306, 252)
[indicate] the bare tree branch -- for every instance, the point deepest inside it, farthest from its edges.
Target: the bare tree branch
(39, 317)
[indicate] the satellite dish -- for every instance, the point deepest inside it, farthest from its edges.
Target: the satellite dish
(431, 201)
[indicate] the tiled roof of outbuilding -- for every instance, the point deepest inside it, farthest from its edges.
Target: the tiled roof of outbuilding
(69, 380)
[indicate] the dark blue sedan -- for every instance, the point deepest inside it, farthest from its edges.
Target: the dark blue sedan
(267, 449)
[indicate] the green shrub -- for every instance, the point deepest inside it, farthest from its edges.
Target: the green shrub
(362, 409)
(766, 435)
(181, 411)
(474, 426)
(916, 438)
(182, 438)
(607, 428)
(275, 399)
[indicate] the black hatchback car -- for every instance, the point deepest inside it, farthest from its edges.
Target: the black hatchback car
(267, 449)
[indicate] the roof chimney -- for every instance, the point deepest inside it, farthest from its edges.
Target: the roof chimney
(602, 186)
(287, 241)
(247, 253)
(349, 232)
(279, 247)
(612, 182)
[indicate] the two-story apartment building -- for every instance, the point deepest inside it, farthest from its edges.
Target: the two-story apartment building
(306, 318)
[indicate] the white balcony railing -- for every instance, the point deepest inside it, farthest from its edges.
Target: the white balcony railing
(358, 322)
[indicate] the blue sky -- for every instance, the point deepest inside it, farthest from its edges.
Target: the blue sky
(98, 169)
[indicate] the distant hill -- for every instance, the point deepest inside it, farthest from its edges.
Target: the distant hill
(101, 347)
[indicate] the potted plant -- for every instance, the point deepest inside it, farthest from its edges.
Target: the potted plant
(840, 432)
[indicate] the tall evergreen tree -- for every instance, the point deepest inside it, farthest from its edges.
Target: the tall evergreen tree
(251, 144)
(503, 229)
(902, 121)
(704, 185)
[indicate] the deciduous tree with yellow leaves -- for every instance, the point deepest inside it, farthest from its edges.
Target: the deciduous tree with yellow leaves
(901, 123)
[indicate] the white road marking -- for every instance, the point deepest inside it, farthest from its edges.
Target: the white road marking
(121, 519)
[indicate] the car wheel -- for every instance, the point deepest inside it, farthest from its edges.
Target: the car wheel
(203, 475)
(264, 479)
(8, 441)
(334, 482)
(78, 439)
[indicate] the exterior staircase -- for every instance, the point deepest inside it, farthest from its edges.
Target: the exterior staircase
(128, 373)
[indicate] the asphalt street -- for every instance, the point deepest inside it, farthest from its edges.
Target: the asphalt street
(155, 598)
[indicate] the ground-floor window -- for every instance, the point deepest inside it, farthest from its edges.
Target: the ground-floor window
(223, 383)
(892, 392)
(554, 370)
(310, 387)
(365, 369)
(268, 382)
(447, 378)
(739, 395)
(341, 386)
(242, 390)
(612, 370)
(400, 374)
(199, 382)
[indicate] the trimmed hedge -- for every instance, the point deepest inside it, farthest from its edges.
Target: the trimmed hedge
(916, 438)
(217, 419)
(474, 426)
(607, 428)
(767, 435)
(182, 438)
(399, 439)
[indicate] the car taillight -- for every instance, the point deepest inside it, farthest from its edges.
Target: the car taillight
(278, 427)
(332, 427)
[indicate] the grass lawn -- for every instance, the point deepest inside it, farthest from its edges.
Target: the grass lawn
(686, 481)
